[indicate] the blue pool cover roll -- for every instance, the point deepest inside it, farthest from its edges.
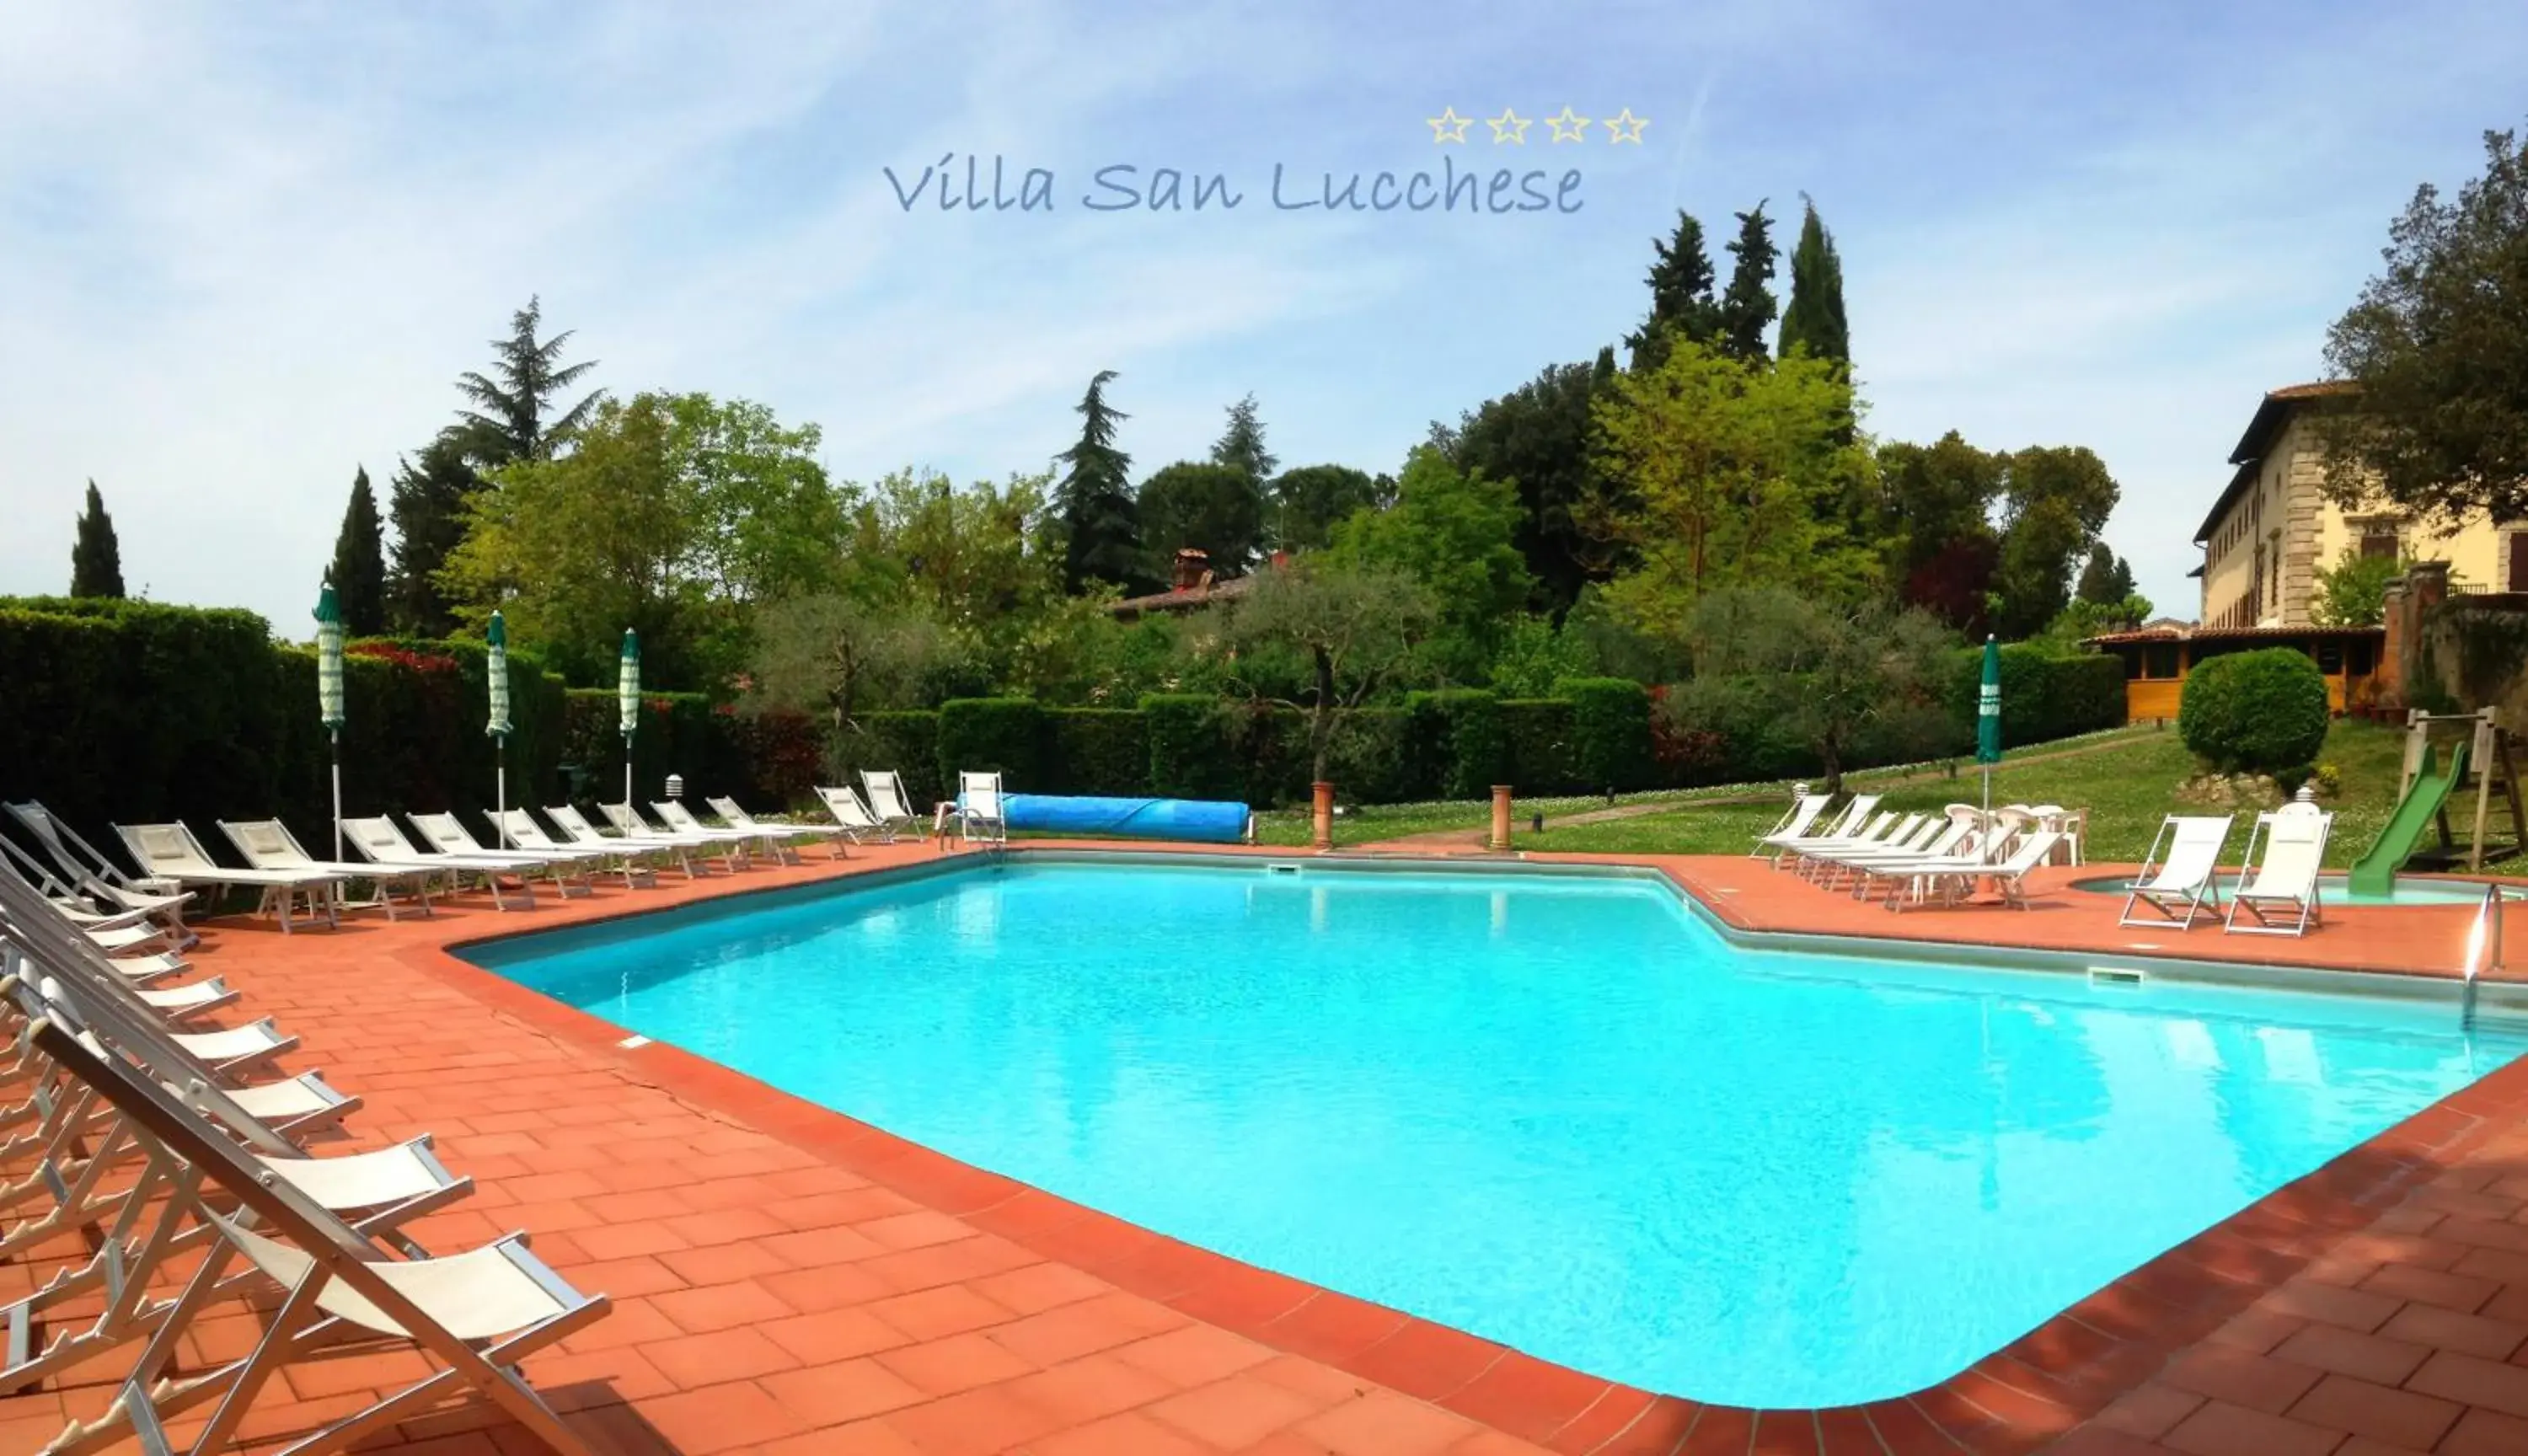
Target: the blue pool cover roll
(1200, 819)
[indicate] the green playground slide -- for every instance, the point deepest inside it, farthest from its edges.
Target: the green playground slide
(2375, 873)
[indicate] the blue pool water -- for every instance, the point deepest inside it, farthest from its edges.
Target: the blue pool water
(1557, 1112)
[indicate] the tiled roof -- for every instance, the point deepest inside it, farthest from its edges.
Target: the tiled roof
(1184, 598)
(2205, 634)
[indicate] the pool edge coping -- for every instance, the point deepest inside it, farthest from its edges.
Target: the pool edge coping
(2030, 1391)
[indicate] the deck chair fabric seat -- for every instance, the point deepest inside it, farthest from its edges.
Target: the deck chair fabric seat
(629, 824)
(2180, 876)
(882, 790)
(980, 806)
(630, 861)
(675, 816)
(2277, 890)
(1794, 822)
(1854, 820)
(567, 869)
(855, 819)
(581, 834)
(381, 842)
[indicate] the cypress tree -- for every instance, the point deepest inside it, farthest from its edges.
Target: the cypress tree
(1681, 281)
(360, 562)
(1748, 308)
(96, 558)
(427, 500)
(2105, 578)
(1815, 315)
(1102, 537)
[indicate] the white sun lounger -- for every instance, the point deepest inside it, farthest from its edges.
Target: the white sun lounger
(96, 875)
(170, 852)
(1846, 826)
(628, 824)
(475, 1315)
(852, 815)
(883, 790)
(1948, 880)
(2279, 892)
(1938, 840)
(773, 839)
(268, 844)
(1907, 835)
(977, 807)
(737, 818)
(630, 861)
(382, 841)
(582, 834)
(1794, 822)
(569, 868)
(2180, 876)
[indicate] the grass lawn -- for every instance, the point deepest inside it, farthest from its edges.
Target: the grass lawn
(2127, 789)
(1366, 824)
(2127, 784)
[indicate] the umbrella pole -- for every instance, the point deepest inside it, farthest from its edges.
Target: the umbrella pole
(627, 768)
(336, 734)
(501, 787)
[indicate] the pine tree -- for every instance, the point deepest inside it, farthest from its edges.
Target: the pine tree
(1242, 443)
(427, 501)
(360, 562)
(514, 419)
(1094, 499)
(96, 558)
(1681, 281)
(1748, 308)
(2105, 578)
(1815, 316)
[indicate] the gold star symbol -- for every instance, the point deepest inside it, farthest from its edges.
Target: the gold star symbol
(1569, 127)
(1510, 126)
(1448, 126)
(1627, 127)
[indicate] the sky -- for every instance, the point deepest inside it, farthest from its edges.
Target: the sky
(245, 250)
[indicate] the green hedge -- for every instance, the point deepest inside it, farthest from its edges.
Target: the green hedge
(1456, 742)
(903, 743)
(2045, 696)
(1095, 751)
(993, 735)
(1611, 732)
(1536, 746)
(1188, 737)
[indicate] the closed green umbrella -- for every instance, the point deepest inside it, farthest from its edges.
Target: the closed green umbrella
(1988, 719)
(328, 693)
(628, 699)
(495, 677)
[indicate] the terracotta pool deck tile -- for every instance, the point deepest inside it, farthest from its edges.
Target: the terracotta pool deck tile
(1126, 1435)
(798, 1229)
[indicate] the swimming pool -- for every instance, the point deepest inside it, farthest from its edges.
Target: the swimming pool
(1555, 1111)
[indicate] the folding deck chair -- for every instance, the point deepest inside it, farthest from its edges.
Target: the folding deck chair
(268, 844)
(727, 808)
(978, 803)
(382, 841)
(569, 868)
(2281, 897)
(97, 875)
(627, 821)
(2179, 877)
(883, 790)
(630, 861)
(1793, 823)
(476, 1316)
(854, 817)
(682, 821)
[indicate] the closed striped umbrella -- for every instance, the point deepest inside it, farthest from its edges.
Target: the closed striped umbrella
(328, 693)
(628, 699)
(495, 677)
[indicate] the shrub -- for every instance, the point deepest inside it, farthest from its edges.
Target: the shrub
(1096, 751)
(1536, 746)
(2255, 712)
(1611, 732)
(993, 735)
(1455, 743)
(1189, 749)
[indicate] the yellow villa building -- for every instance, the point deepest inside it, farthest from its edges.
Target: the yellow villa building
(2268, 534)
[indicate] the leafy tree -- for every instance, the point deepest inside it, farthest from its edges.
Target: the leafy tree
(2084, 620)
(1536, 654)
(2353, 591)
(1101, 530)
(1681, 281)
(1306, 502)
(96, 557)
(1726, 470)
(1833, 677)
(1748, 307)
(2056, 501)
(1813, 319)
(513, 418)
(1212, 507)
(2437, 346)
(2105, 578)
(360, 572)
(672, 515)
(1455, 532)
(838, 656)
(1355, 627)
(1934, 507)
(1537, 438)
(1241, 445)
(427, 501)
